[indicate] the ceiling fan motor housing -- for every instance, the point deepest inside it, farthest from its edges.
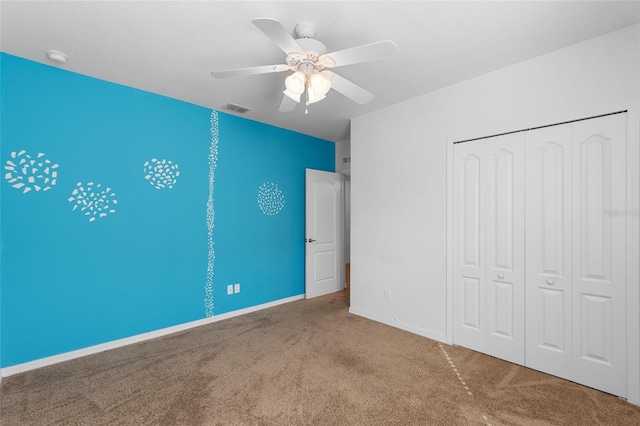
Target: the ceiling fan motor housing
(306, 62)
(305, 29)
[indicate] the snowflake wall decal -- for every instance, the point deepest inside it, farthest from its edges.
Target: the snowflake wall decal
(161, 173)
(28, 174)
(94, 201)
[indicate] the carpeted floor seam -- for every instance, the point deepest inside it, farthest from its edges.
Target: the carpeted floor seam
(461, 380)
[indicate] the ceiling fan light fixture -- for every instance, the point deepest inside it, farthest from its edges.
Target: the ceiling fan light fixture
(313, 97)
(319, 85)
(294, 96)
(296, 83)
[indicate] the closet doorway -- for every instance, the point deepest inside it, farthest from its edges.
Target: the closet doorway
(541, 226)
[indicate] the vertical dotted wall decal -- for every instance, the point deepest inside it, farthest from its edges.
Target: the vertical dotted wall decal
(213, 161)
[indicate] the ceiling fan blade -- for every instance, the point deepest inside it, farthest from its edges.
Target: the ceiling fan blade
(287, 104)
(349, 89)
(364, 53)
(276, 32)
(264, 69)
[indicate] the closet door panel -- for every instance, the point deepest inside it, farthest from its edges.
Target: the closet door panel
(505, 246)
(599, 253)
(551, 315)
(469, 251)
(548, 247)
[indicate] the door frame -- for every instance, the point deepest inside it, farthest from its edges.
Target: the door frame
(633, 225)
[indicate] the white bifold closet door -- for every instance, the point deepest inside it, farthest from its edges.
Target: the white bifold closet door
(576, 252)
(563, 310)
(489, 246)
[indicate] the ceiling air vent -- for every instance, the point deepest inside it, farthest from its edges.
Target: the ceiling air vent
(236, 108)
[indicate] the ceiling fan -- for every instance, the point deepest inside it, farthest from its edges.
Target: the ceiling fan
(310, 63)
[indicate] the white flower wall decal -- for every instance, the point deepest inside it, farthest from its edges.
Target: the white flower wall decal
(28, 174)
(93, 200)
(161, 173)
(270, 198)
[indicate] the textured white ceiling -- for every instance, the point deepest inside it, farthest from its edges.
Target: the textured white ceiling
(170, 48)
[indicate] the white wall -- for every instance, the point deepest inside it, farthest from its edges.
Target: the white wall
(347, 218)
(343, 149)
(399, 173)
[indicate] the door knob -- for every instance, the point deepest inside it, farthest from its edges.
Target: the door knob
(549, 281)
(501, 275)
(310, 240)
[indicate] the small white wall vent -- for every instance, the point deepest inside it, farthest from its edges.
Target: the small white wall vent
(236, 108)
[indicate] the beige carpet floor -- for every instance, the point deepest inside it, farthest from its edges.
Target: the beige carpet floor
(308, 362)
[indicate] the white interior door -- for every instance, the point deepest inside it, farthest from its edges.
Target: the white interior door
(324, 260)
(548, 247)
(469, 241)
(599, 253)
(505, 247)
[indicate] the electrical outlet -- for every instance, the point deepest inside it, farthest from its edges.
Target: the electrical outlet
(236, 288)
(230, 289)
(387, 294)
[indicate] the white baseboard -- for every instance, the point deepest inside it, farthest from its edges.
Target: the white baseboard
(55, 359)
(397, 324)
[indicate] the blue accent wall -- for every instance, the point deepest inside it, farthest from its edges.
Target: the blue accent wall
(68, 282)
